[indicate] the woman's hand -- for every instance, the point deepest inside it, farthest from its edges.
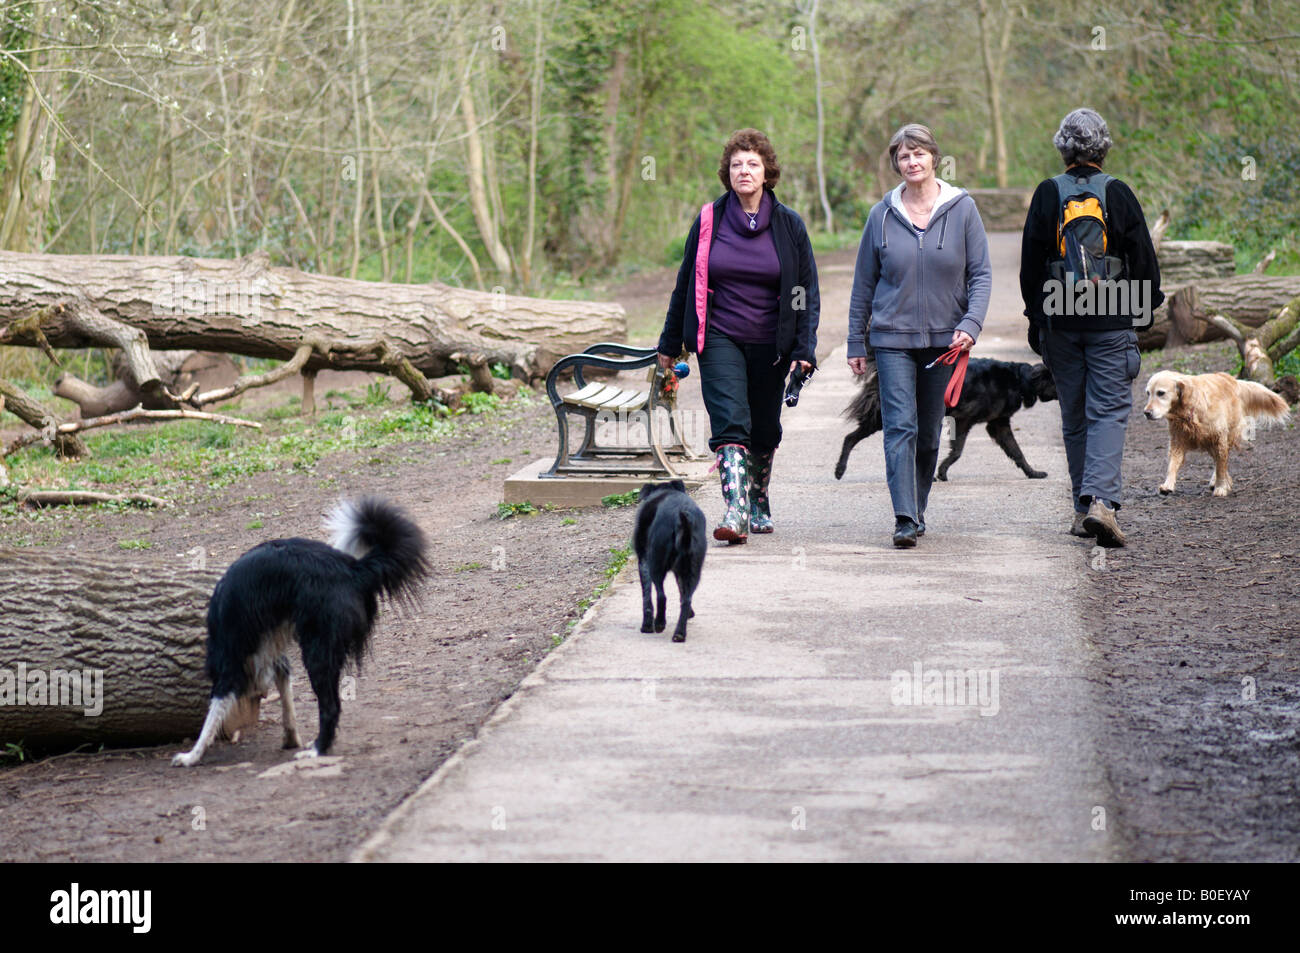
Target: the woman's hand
(858, 365)
(665, 361)
(804, 366)
(962, 340)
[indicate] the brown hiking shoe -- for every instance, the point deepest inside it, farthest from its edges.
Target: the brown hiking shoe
(1101, 523)
(1078, 529)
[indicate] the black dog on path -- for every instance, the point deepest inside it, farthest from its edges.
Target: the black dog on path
(671, 535)
(992, 392)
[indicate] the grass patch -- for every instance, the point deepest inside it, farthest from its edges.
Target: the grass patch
(477, 402)
(506, 510)
(13, 752)
(630, 498)
(1289, 364)
(185, 458)
(618, 557)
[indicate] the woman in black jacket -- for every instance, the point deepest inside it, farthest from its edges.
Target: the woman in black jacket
(746, 303)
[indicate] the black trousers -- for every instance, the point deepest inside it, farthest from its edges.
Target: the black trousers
(742, 386)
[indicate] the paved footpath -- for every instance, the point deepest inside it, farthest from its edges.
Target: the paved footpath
(786, 727)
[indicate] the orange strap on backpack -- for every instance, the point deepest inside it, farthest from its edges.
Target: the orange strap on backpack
(958, 357)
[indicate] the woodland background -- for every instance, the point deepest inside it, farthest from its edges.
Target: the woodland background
(543, 145)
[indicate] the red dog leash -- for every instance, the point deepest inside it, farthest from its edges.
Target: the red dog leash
(959, 357)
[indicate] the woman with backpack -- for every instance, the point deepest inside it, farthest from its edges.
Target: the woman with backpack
(1085, 232)
(920, 287)
(746, 303)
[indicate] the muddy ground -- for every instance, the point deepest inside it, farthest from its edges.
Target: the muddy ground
(1196, 624)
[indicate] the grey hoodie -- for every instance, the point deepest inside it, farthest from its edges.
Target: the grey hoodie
(913, 290)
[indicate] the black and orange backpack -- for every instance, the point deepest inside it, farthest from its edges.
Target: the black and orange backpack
(1081, 229)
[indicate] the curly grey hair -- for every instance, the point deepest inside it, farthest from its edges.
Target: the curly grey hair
(1082, 137)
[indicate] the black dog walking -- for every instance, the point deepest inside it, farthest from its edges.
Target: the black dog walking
(323, 597)
(993, 391)
(671, 535)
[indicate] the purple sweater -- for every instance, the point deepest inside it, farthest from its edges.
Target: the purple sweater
(745, 274)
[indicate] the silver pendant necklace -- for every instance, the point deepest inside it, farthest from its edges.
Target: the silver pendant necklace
(753, 220)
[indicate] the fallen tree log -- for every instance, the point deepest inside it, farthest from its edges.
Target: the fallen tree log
(247, 306)
(179, 371)
(1186, 262)
(84, 498)
(60, 431)
(1249, 299)
(35, 414)
(100, 651)
(1262, 348)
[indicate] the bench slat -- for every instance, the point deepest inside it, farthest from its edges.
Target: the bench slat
(612, 401)
(578, 397)
(597, 399)
(632, 401)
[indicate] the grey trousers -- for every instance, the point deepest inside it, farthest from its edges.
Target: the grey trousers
(1094, 373)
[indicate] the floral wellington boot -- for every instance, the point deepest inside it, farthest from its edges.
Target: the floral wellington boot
(733, 468)
(760, 510)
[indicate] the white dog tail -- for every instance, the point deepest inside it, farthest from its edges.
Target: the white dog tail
(1258, 401)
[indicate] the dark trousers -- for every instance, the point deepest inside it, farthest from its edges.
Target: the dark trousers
(742, 388)
(1094, 372)
(911, 410)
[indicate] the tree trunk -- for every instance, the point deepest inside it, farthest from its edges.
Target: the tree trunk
(37, 415)
(534, 133)
(248, 307)
(1185, 262)
(130, 637)
(179, 370)
(1270, 343)
(993, 86)
(475, 176)
(821, 120)
(1248, 299)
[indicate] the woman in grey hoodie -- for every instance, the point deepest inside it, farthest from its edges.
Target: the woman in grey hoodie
(921, 286)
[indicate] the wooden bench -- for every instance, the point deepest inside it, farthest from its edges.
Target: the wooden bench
(595, 401)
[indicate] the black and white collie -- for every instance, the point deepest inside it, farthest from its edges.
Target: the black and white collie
(323, 597)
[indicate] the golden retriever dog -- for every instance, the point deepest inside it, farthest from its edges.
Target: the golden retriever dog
(1208, 412)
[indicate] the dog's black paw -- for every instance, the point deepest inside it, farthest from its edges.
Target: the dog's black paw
(1037, 474)
(942, 475)
(839, 470)
(661, 624)
(679, 636)
(648, 625)
(690, 613)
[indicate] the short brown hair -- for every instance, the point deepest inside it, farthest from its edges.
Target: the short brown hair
(912, 135)
(750, 140)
